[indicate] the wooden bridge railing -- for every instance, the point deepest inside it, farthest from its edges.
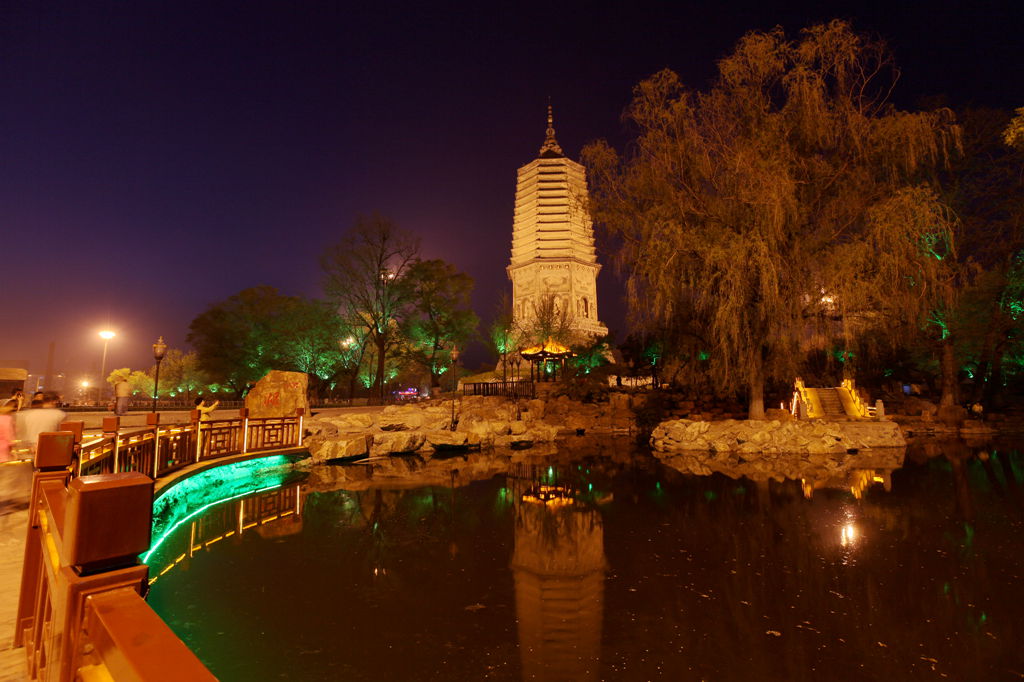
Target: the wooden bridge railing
(80, 613)
(158, 449)
(508, 389)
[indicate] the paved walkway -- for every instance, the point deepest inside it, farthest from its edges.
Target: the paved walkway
(12, 550)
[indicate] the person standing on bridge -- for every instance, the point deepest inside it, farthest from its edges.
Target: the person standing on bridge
(205, 409)
(122, 393)
(17, 399)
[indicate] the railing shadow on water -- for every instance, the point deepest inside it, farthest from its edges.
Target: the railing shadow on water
(81, 613)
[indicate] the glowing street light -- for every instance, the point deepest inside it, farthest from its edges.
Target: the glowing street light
(106, 335)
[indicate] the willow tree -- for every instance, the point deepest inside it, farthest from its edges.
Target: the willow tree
(365, 277)
(788, 196)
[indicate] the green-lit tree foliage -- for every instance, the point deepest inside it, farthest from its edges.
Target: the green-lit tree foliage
(503, 336)
(438, 318)
(986, 188)
(180, 375)
(365, 278)
(233, 338)
(141, 383)
(782, 203)
(238, 340)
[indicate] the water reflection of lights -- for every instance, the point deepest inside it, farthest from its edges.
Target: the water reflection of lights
(848, 535)
(550, 495)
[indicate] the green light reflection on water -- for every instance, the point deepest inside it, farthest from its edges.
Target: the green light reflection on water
(196, 494)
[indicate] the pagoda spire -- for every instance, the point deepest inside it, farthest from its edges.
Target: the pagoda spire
(550, 148)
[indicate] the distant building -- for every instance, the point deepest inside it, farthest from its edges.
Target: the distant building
(553, 240)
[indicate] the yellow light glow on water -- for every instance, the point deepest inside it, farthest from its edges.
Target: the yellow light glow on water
(848, 535)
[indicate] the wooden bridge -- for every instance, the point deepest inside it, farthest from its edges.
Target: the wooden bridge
(157, 450)
(81, 614)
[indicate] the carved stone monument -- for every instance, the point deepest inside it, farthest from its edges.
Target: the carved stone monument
(278, 394)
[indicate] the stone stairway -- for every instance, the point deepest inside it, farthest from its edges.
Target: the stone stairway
(830, 402)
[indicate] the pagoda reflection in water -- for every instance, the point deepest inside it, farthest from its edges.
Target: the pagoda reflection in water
(559, 568)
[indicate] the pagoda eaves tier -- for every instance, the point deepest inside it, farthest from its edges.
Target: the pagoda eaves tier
(553, 240)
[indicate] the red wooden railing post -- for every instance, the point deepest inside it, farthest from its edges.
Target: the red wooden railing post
(53, 455)
(197, 432)
(244, 414)
(107, 521)
(153, 419)
(300, 412)
(78, 429)
(111, 427)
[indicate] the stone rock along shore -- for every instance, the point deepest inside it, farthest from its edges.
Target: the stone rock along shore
(481, 421)
(815, 437)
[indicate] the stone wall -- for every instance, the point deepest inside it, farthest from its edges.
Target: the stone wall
(481, 421)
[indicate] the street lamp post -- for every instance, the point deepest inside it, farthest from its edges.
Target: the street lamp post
(455, 381)
(159, 350)
(106, 335)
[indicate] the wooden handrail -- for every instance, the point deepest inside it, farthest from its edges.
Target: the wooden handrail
(131, 643)
(80, 611)
(159, 449)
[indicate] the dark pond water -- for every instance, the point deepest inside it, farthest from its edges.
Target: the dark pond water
(599, 562)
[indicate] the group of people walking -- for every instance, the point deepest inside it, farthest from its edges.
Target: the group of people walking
(20, 425)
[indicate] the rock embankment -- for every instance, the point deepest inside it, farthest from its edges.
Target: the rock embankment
(480, 422)
(753, 436)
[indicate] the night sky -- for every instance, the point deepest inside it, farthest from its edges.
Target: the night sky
(156, 157)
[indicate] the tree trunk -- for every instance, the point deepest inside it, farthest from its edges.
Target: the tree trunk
(981, 377)
(755, 408)
(994, 385)
(948, 365)
(381, 343)
(949, 411)
(352, 385)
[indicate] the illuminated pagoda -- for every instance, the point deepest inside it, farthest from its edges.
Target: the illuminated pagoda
(553, 240)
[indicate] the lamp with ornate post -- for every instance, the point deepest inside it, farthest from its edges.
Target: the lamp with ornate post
(159, 350)
(455, 381)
